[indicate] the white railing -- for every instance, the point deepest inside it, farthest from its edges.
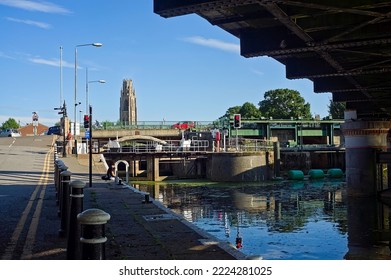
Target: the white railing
(248, 145)
(177, 146)
(170, 146)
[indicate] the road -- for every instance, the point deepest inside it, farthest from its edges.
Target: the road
(25, 173)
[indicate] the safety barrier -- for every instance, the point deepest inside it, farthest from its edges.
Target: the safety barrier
(84, 230)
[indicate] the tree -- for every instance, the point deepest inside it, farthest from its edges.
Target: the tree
(249, 111)
(10, 123)
(337, 109)
(233, 110)
(284, 104)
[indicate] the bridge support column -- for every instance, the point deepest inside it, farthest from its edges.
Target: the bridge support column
(152, 168)
(134, 168)
(362, 140)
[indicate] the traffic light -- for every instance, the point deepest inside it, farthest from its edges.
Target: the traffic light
(86, 121)
(237, 121)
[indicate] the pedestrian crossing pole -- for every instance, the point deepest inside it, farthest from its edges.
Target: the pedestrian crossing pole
(90, 149)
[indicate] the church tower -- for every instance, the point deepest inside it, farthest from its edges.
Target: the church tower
(128, 108)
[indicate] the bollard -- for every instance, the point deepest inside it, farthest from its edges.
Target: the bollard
(64, 201)
(55, 155)
(61, 168)
(146, 198)
(58, 168)
(93, 233)
(57, 164)
(74, 232)
(55, 173)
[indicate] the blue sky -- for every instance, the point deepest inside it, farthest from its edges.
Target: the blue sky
(183, 68)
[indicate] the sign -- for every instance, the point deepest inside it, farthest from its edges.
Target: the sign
(35, 116)
(75, 130)
(35, 119)
(87, 134)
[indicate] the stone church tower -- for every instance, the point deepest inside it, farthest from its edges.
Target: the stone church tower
(128, 107)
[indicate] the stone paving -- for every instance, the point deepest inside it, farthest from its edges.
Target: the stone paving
(136, 230)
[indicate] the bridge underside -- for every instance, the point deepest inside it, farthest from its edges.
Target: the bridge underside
(344, 47)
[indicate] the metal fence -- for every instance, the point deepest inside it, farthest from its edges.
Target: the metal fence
(175, 146)
(198, 125)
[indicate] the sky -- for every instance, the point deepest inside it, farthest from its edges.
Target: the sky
(183, 68)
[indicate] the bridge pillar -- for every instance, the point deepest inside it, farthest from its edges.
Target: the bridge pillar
(362, 141)
(152, 168)
(134, 168)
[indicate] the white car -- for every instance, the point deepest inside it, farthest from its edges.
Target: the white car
(9, 133)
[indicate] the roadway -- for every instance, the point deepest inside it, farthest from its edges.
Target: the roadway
(25, 170)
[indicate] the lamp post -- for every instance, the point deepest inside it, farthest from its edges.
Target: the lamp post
(88, 82)
(75, 97)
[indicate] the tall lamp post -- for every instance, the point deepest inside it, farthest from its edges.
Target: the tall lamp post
(89, 109)
(75, 97)
(88, 82)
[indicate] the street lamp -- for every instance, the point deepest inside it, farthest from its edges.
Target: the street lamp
(88, 82)
(75, 97)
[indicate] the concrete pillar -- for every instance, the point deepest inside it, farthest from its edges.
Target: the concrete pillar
(277, 159)
(152, 168)
(363, 139)
(132, 172)
(238, 167)
(134, 167)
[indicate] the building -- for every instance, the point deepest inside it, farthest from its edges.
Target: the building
(128, 107)
(28, 130)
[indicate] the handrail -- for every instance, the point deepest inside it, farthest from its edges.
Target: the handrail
(176, 146)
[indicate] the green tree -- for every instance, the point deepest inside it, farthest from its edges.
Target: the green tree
(10, 123)
(108, 124)
(337, 109)
(233, 110)
(284, 104)
(249, 111)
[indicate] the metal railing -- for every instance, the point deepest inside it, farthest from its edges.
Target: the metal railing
(177, 146)
(170, 146)
(198, 125)
(248, 145)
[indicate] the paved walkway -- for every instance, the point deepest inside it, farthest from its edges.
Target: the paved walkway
(136, 230)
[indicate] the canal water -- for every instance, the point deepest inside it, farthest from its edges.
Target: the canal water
(306, 220)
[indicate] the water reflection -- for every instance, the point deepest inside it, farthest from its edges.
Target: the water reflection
(300, 220)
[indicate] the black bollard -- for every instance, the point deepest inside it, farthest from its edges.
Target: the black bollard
(55, 173)
(61, 168)
(57, 164)
(146, 198)
(74, 232)
(64, 201)
(93, 236)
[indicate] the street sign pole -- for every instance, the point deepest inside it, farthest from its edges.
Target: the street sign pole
(90, 148)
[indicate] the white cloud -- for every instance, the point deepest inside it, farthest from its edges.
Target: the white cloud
(3, 55)
(51, 62)
(37, 6)
(214, 43)
(30, 22)
(257, 72)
